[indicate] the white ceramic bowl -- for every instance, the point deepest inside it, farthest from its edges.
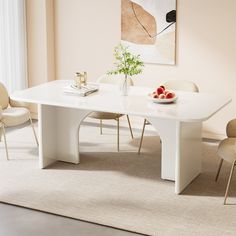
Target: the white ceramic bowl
(163, 100)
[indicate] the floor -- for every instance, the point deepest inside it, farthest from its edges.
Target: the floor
(17, 221)
(196, 212)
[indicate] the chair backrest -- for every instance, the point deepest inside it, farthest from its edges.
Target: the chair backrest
(182, 85)
(231, 129)
(235, 148)
(4, 97)
(113, 79)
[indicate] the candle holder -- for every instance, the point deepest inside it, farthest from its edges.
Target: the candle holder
(80, 79)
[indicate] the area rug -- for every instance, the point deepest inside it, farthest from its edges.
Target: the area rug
(122, 190)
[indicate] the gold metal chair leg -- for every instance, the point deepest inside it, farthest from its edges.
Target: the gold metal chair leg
(32, 125)
(118, 134)
(141, 140)
(5, 141)
(229, 181)
(219, 168)
(131, 132)
(100, 126)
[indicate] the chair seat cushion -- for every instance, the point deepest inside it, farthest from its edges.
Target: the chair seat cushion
(15, 116)
(226, 149)
(104, 115)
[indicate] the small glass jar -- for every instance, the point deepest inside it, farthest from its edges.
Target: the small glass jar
(78, 80)
(83, 79)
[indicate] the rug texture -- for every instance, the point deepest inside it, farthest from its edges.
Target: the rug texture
(122, 190)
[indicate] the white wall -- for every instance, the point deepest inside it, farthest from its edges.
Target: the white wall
(87, 31)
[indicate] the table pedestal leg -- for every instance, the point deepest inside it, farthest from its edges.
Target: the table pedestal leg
(181, 150)
(59, 134)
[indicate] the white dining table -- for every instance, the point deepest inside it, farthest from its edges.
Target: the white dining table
(178, 124)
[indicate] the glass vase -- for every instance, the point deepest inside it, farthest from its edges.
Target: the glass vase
(124, 87)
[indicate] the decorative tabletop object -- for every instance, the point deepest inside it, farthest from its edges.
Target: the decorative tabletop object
(127, 64)
(80, 79)
(83, 91)
(163, 95)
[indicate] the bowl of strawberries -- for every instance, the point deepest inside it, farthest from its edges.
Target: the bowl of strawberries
(163, 95)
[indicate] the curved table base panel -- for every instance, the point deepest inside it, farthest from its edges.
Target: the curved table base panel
(181, 150)
(59, 134)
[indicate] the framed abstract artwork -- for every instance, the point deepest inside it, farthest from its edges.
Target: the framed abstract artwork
(148, 28)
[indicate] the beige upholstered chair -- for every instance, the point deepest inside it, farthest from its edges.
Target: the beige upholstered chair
(227, 152)
(12, 113)
(181, 85)
(111, 116)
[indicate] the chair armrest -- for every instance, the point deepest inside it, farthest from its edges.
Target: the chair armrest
(14, 103)
(231, 129)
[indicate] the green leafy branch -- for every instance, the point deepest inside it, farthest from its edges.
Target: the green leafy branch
(126, 63)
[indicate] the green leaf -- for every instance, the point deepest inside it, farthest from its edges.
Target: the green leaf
(125, 62)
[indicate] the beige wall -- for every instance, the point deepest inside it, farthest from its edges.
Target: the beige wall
(87, 31)
(40, 42)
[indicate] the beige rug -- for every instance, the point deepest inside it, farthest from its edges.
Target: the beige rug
(122, 190)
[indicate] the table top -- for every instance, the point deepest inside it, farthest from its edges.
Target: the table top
(190, 107)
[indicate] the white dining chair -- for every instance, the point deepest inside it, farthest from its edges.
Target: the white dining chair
(181, 85)
(227, 152)
(12, 113)
(112, 116)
